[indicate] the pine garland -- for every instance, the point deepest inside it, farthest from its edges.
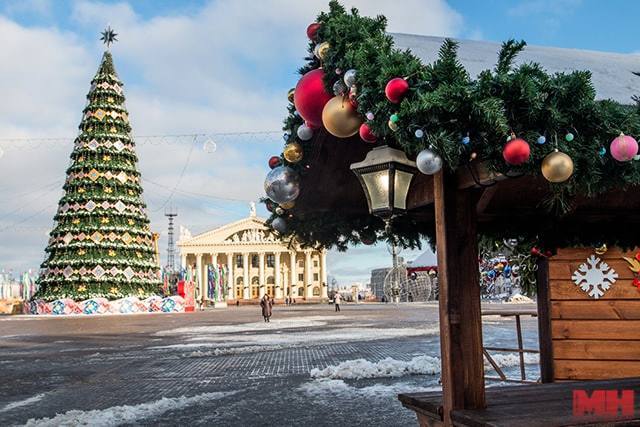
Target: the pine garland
(448, 104)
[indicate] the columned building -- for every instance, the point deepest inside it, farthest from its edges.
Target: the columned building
(257, 262)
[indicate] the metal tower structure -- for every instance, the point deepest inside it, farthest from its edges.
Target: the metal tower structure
(171, 212)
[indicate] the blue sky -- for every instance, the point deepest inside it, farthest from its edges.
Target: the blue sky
(213, 66)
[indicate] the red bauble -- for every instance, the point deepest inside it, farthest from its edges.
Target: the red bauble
(274, 162)
(516, 152)
(310, 96)
(366, 134)
(396, 89)
(312, 30)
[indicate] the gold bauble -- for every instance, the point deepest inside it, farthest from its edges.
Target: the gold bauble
(340, 118)
(322, 50)
(557, 167)
(290, 94)
(293, 152)
(288, 205)
(601, 250)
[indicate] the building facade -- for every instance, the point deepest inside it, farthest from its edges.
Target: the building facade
(257, 262)
(377, 281)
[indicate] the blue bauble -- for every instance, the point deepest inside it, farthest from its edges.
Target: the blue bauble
(602, 151)
(466, 140)
(541, 140)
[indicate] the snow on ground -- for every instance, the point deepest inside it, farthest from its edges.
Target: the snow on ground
(21, 403)
(233, 350)
(324, 387)
(118, 415)
(386, 368)
(299, 322)
(507, 360)
(306, 338)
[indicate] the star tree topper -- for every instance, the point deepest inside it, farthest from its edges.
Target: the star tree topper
(108, 36)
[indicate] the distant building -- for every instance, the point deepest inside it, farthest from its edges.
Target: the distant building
(377, 281)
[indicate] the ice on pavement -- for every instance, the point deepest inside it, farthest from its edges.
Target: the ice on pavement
(126, 414)
(386, 368)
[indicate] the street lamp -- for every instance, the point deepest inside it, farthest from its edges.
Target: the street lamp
(385, 175)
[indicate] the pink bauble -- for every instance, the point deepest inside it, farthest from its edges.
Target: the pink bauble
(396, 89)
(310, 96)
(623, 148)
(366, 134)
(516, 152)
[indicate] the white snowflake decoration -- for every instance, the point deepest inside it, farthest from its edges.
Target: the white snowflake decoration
(594, 279)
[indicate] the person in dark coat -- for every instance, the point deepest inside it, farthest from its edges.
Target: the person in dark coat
(265, 304)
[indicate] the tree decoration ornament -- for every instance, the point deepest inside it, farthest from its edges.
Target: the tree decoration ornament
(274, 162)
(366, 134)
(290, 94)
(370, 116)
(293, 152)
(280, 225)
(466, 140)
(557, 167)
(350, 77)
(322, 50)
(541, 140)
(279, 211)
(394, 118)
(516, 152)
(396, 89)
(282, 184)
(602, 151)
(623, 148)
(393, 126)
(419, 133)
(312, 31)
(568, 137)
(340, 118)
(428, 162)
(339, 88)
(288, 205)
(594, 277)
(311, 96)
(304, 132)
(636, 157)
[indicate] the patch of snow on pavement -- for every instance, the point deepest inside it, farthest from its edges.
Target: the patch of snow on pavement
(126, 414)
(386, 368)
(324, 387)
(232, 350)
(21, 403)
(286, 323)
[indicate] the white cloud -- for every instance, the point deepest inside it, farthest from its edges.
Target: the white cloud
(224, 67)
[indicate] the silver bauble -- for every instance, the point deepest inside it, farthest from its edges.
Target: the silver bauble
(305, 133)
(339, 88)
(280, 225)
(428, 162)
(350, 77)
(279, 211)
(282, 184)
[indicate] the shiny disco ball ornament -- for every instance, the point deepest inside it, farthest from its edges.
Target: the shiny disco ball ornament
(310, 96)
(280, 225)
(428, 162)
(557, 167)
(623, 148)
(350, 77)
(282, 185)
(293, 152)
(304, 132)
(402, 286)
(340, 118)
(339, 88)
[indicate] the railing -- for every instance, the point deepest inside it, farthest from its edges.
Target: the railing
(520, 350)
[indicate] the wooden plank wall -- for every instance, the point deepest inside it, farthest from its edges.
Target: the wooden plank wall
(593, 339)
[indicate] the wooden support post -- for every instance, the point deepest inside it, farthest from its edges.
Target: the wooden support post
(544, 321)
(458, 280)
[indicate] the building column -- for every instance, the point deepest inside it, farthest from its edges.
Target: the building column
(214, 263)
(308, 277)
(245, 272)
(276, 266)
(294, 274)
(262, 284)
(230, 279)
(198, 278)
(323, 274)
(183, 261)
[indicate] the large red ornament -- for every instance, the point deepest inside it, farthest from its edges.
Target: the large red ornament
(396, 89)
(366, 134)
(516, 152)
(274, 162)
(310, 96)
(312, 31)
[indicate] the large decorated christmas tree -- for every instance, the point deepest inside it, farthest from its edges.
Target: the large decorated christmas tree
(101, 244)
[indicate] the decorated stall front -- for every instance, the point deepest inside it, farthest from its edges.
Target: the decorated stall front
(383, 145)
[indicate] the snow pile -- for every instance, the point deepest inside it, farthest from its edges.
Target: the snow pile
(232, 350)
(126, 414)
(21, 403)
(386, 368)
(509, 360)
(324, 387)
(520, 299)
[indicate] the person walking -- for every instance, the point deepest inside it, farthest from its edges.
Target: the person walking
(336, 301)
(265, 304)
